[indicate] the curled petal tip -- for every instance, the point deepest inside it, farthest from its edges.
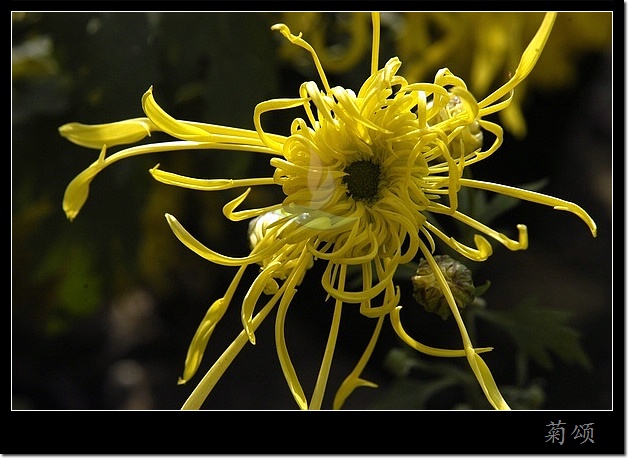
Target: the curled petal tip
(76, 194)
(285, 31)
(70, 214)
(248, 324)
(283, 28)
(77, 191)
(592, 227)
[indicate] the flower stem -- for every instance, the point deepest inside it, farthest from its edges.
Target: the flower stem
(323, 374)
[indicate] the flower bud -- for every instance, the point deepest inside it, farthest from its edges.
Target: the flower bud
(428, 292)
(468, 139)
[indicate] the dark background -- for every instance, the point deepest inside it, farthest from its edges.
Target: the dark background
(103, 308)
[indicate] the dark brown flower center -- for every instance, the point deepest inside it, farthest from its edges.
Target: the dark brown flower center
(362, 180)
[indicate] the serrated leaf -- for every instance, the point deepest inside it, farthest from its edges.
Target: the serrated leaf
(539, 332)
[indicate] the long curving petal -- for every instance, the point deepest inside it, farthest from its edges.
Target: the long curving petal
(532, 196)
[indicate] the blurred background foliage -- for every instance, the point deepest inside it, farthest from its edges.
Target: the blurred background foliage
(103, 308)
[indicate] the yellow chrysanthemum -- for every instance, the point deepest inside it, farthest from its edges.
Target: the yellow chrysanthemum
(361, 173)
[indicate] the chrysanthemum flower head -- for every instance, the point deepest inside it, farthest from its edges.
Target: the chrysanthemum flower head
(363, 174)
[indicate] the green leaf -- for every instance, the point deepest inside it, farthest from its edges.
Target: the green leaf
(539, 332)
(482, 289)
(411, 394)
